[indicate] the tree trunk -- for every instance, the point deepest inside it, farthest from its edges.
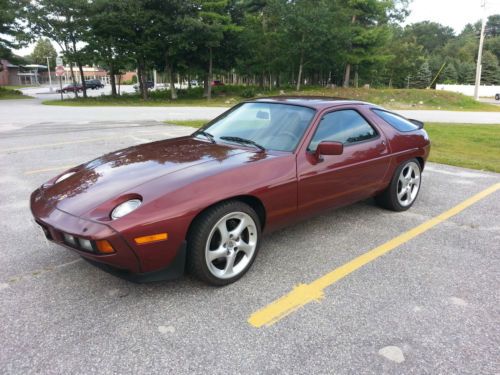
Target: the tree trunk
(80, 68)
(347, 75)
(112, 79)
(205, 85)
(73, 78)
(209, 91)
(356, 77)
(173, 91)
(142, 79)
(301, 65)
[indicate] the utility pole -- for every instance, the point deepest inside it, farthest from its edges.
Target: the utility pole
(48, 70)
(480, 53)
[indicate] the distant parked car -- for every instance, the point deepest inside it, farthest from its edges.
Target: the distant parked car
(217, 83)
(71, 88)
(94, 84)
(149, 85)
(497, 97)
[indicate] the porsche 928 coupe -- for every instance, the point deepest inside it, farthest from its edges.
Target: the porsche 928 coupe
(202, 202)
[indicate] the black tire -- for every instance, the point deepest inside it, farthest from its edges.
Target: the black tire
(199, 234)
(388, 198)
(497, 97)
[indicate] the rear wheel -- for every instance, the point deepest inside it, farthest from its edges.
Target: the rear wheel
(497, 97)
(404, 187)
(223, 243)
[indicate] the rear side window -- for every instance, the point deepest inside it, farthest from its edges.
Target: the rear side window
(397, 122)
(345, 126)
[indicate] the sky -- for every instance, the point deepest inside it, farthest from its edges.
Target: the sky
(453, 13)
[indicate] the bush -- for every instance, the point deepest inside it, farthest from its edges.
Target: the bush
(248, 93)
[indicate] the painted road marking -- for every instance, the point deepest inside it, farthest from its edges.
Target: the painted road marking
(47, 169)
(302, 294)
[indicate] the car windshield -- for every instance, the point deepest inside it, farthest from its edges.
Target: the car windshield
(271, 126)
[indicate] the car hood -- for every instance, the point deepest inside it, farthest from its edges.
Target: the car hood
(108, 177)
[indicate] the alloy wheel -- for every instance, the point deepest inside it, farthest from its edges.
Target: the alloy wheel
(408, 184)
(231, 245)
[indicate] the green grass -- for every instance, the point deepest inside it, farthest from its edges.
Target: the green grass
(462, 145)
(465, 145)
(7, 93)
(227, 96)
(191, 123)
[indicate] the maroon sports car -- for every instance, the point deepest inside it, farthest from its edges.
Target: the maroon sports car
(203, 201)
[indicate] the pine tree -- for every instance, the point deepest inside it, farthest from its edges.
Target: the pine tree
(449, 74)
(423, 76)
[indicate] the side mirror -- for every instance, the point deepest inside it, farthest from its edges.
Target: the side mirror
(329, 148)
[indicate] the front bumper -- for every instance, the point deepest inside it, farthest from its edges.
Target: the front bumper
(151, 262)
(58, 223)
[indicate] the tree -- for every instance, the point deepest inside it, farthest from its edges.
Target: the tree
(65, 22)
(42, 50)
(449, 74)
(423, 76)
(430, 35)
(11, 28)
(105, 42)
(368, 31)
(490, 72)
(214, 22)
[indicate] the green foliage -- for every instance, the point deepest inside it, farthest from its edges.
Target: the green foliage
(490, 74)
(266, 43)
(44, 49)
(449, 74)
(423, 77)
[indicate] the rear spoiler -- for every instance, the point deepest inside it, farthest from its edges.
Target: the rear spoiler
(420, 124)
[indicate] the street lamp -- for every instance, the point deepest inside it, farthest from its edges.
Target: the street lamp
(480, 53)
(50, 78)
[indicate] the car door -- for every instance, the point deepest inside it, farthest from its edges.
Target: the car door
(336, 180)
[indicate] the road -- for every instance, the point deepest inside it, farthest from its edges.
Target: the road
(16, 114)
(429, 306)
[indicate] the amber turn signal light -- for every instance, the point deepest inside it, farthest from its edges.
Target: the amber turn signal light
(104, 247)
(152, 238)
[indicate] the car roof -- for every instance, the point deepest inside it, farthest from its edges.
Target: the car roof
(316, 102)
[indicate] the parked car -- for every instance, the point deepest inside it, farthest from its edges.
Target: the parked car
(217, 83)
(149, 85)
(206, 199)
(71, 88)
(497, 96)
(94, 84)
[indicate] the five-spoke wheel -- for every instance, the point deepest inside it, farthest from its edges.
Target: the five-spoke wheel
(223, 242)
(231, 245)
(403, 190)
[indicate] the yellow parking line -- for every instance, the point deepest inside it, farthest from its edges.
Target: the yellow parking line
(302, 294)
(48, 169)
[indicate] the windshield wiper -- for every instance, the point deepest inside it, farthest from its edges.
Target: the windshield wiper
(210, 137)
(243, 140)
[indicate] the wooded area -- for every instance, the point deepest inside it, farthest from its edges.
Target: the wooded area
(269, 43)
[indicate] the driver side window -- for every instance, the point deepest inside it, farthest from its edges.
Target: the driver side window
(346, 126)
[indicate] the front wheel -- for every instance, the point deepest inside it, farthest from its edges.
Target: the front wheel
(497, 97)
(223, 242)
(403, 190)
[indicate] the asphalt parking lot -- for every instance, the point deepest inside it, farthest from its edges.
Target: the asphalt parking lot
(429, 306)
